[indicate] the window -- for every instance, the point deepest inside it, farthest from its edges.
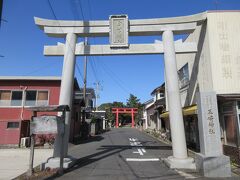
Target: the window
(16, 98)
(89, 103)
(183, 76)
(38, 98)
(161, 94)
(42, 98)
(238, 105)
(10, 98)
(227, 107)
(12, 125)
(5, 98)
(31, 98)
(88, 115)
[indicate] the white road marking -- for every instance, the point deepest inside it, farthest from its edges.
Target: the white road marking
(132, 139)
(135, 142)
(138, 152)
(186, 175)
(142, 160)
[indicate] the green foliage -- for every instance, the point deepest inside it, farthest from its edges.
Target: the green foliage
(93, 120)
(118, 104)
(108, 108)
(134, 102)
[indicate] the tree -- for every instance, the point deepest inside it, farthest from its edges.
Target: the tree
(104, 106)
(108, 108)
(116, 104)
(134, 102)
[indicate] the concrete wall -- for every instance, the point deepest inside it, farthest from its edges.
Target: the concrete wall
(152, 124)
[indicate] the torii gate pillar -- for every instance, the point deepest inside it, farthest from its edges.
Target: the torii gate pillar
(66, 91)
(180, 158)
(132, 113)
(116, 125)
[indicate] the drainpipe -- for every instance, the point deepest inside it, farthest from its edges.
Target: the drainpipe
(23, 101)
(22, 110)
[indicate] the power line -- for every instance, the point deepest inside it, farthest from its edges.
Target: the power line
(74, 9)
(114, 75)
(114, 79)
(79, 72)
(90, 9)
(38, 69)
(93, 70)
(92, 63)
(80, 4)
(50, 5)
(52, 10)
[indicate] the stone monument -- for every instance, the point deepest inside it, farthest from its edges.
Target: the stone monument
(210, 161)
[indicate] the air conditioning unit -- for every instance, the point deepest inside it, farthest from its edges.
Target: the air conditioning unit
(25, 142)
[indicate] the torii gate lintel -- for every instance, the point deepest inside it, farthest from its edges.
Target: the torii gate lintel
(118, 111)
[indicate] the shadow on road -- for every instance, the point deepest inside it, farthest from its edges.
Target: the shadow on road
(103, 152)
(89, 140)
(84, 161)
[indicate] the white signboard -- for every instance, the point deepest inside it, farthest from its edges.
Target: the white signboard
(47, 125)
(118, 31)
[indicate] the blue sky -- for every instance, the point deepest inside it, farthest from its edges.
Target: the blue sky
(21, 41)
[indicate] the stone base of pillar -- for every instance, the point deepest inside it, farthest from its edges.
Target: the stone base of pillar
(175, 163)
(213, 166)
(53, 163)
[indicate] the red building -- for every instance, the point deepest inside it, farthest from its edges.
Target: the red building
(17, 93)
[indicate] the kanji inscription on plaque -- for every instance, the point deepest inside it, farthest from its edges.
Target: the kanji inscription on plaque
(119, 31)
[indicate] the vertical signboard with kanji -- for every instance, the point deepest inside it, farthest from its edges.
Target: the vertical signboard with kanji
(208, 124)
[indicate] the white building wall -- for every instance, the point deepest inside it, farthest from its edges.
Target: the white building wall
(216, 65)
(199, 66)
(151, 123)
(224, 41)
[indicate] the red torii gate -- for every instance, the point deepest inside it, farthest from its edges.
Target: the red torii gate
(131, 111)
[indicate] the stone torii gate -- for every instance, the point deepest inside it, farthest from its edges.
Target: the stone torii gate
(118, 28)
(118, 111)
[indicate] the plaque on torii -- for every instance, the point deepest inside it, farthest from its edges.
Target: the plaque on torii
(118, 33)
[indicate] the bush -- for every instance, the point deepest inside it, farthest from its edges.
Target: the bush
(41, 139)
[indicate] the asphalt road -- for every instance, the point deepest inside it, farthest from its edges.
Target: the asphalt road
(122, 153)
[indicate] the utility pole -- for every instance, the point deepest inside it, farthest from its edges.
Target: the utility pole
(97, 94)
(85, 83)
(85, 72)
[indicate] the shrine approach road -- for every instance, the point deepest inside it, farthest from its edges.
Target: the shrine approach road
(122, 154)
